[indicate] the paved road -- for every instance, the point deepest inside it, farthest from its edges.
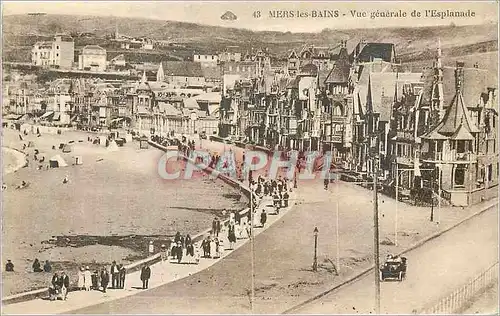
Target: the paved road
(434, 269)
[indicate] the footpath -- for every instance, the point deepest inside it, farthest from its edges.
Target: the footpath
(161, 272)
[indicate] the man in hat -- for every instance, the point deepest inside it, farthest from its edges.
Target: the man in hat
(114, 275)
(145, 276)
(122, 274)
(64, 283)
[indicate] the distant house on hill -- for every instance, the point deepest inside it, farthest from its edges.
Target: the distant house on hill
(185, 74)
(93, 57)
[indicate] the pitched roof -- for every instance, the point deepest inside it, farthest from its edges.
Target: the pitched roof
(341, 69)
(182, 68)
(462, 133)
(168, 109)
(310, 69)
(213, 73)
(370, 51)
(191, 103)
(382, 91)
(457, 115)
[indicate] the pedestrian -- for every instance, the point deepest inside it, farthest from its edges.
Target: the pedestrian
(285, 198)
(231, 236)
(64, 283)
(94, 278)
(9, 266)
(263, 218)
(326, 182)
(205, 245)
(163, 253)
(114, 275)
(81, 279)
(145, 275)
(88, 279)
(104, 279)
(189, 247)
(122, 274)
(216, 226)
(188, 240)
(179, 251)
(47, 267)
(54, 287)
(37, 266)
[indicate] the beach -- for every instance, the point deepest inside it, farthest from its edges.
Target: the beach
(114, 195)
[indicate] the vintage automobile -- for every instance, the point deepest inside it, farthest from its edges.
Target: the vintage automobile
(394, 268)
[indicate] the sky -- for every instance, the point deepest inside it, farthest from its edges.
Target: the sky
(258, 15)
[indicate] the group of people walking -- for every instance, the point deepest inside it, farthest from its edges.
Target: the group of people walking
(99, 280)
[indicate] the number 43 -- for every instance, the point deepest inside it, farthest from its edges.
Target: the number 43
(256, 14)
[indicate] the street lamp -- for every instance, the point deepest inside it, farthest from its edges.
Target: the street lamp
(315, 262)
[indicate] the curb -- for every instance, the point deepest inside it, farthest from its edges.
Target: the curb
(368, 270)
(34, 294)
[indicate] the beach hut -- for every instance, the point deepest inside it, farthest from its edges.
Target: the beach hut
(57, 162)
(78, 160)
(112, 146)
(143, 143)
(67, 148)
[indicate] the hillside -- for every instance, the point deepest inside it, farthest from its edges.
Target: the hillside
(196, 37)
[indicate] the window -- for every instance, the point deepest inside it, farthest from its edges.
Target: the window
(213, 57)
(490, 172)
(57, 54)
(459, 176)
(206, 57)
(57, 47)
(460, 146)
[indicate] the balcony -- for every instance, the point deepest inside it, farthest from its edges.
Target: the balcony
(449, 156)
(327, 117)
(405, 135)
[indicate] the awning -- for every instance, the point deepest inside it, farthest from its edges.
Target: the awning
(46, 115)
(117, 120)
(14, 117)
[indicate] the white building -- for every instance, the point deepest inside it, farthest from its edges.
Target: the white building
(92, 58)
(206, 60)
(59, 52)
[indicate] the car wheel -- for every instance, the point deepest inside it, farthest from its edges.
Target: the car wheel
(400, 277)
(381, 276)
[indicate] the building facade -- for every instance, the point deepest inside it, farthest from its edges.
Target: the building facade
(57, 53)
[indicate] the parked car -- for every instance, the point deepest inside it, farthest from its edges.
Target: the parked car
(394, 268)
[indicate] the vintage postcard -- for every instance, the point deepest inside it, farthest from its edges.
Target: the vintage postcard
(249, 157)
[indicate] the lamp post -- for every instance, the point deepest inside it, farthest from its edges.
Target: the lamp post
(315, 262)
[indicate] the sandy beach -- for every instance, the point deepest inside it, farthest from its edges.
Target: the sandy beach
(111, 195)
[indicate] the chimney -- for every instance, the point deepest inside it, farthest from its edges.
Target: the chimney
(459, 75)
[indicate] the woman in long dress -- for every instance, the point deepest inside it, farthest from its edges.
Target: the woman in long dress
(213, 248)
(87, 279)
(81, 279)
(231, 236)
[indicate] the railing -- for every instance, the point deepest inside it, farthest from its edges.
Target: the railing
(454, 302)
(449, 156)
(408, 135)
(334, 118)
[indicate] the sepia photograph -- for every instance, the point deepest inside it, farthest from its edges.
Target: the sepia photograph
(246, 157)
